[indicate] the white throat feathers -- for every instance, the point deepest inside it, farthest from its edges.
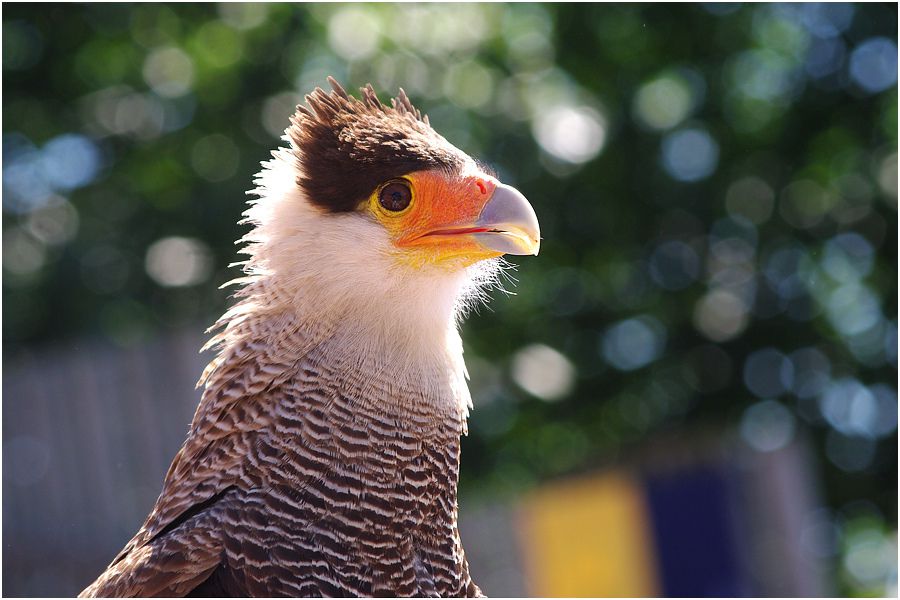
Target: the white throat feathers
(336, 278)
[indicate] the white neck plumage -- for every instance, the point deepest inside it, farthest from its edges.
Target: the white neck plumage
(336, 278)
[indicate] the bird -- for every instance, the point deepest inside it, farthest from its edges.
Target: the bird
(323, 457)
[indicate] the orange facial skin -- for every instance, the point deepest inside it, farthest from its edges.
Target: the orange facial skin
(443, 210)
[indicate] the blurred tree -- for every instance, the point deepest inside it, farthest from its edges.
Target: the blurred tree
(717, 185)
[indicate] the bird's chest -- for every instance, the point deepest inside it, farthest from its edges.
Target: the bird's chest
(354, 499)
(393, 467)
(368, 475)
(354, 521)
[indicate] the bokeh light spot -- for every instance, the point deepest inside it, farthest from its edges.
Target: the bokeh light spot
(574, 134)
(121, 111)
(778, 29)
(219, 45)
(243, 15)
(732, 240)
(169, 71)
(663, 102)
(812, 371)
(543, 372)
(827, 19)
(22, 253)
(31, 176)
(768, 373)
(856, 410)
(354, 33)
(178, 261)
(54, 224)
(848, 257)
(804, 203)
(751, 198)
(886, 405)
(469, 84)
(720, 315)
(887, 177)
(764, 75)
(825, 57)
(527, 35)
(871, 557)
(633, 343)
(25, 186)
(690, 154)
(852, 309)
(70, 161)
(784, 270)
(277, 110)
(820, 533)
(873, 64)
(767, 426)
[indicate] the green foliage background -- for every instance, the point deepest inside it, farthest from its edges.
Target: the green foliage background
(174, 159)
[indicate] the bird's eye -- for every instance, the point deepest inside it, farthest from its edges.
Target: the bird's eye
(395, 196)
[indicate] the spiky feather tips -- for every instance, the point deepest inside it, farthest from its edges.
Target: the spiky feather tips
(346, 147)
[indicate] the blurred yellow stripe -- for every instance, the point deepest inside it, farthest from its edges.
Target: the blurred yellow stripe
(589, 537)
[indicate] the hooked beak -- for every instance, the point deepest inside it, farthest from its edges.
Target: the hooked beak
(468, 220)
(508, 224)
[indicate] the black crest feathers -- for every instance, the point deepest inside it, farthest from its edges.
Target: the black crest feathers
(346, 147)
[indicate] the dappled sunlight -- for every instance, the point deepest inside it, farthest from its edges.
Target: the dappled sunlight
(713, 312)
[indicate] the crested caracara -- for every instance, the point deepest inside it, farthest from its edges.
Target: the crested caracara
(324, 455)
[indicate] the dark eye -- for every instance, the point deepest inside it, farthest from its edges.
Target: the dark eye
(395, 196)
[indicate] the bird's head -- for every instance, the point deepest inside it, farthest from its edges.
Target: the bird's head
(388, 166)
(371, 207)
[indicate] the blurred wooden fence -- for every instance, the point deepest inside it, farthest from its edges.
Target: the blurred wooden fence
(89, 430)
